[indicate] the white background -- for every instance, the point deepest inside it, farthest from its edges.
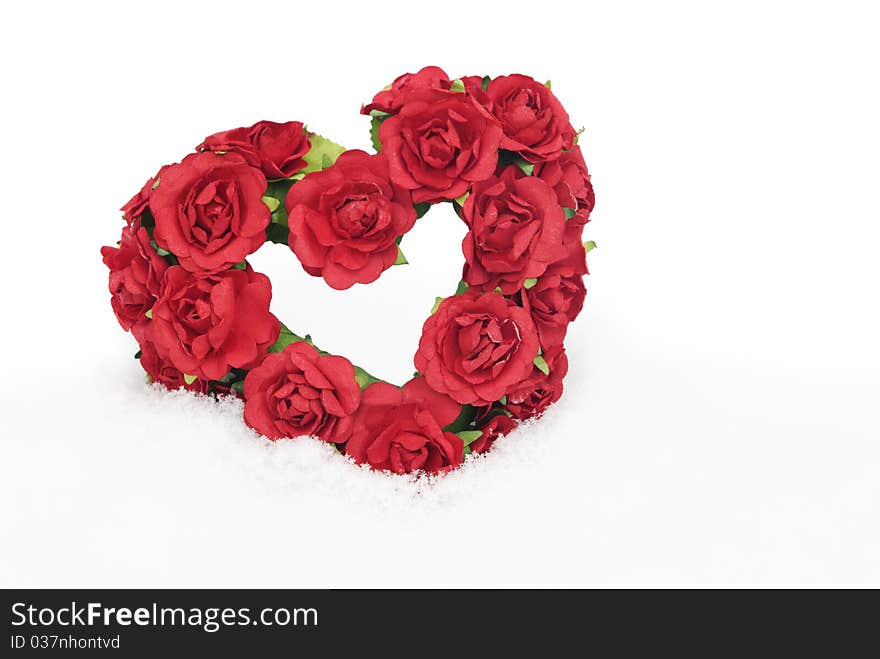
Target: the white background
(720, 425)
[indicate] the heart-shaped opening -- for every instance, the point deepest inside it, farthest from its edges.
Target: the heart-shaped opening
(378, 325)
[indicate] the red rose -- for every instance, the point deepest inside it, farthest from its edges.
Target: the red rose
(401, 430)
(554, 302)
(570, 179)
(439, 144)
(136, 272)
(163, 372)
(390, 99)
(498, 426)
(345, 220)
(209, 211)
(516, 230)
(477, 347)
(276, 149)
(533, 395)
(535, 124)
(134, 207)
(206, 325)
(301, 392)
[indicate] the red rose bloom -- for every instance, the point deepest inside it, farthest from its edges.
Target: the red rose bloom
(535, 124)
(136, 273)
(498, 426)
(162, 372)
(209, 211)
(516, 230)
(301, 392)
(345, 220)
(554, 302)
(276, 149)
(135, 206)
(390, 99)
(206, 325)
(477, 347)
(533, 395)
(439, 144)
(570, 179)
(401, 430)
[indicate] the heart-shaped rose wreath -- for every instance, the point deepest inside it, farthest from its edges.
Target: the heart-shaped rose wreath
(501, 150)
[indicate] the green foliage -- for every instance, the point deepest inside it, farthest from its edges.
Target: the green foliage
(363, 378)
(322, 154)
(276, 193)
(285, 338)
(277, 233)
(401, 259)
(422, 208)
(541, 365)
(464, 420)
(569, 213)
(590, 245)
(527, 167)
(531, 281)
(470, 436)
(375, 122)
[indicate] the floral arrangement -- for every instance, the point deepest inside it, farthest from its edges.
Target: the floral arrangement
(501, 150)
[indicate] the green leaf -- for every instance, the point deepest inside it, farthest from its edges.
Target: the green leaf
(363, 378)
(149, 314)
(285, 338)
(138, 354)
(462, 287)
(590, 245)
(322, 154)
(437, 302)
(401, 259)
(422, 208)
(531, 281)
(527, 167)
(470, 436)
(379, 113)
(569, 213)
(457, 85)
(241, 265)
(463, 198)
(238, 386)
(541, 365)
(160, 251)
(276, 233)
(375, 122)
(497, 289)
(189, 379)
(485, 82)
(156, 183)
(548, 85)
(503, 399)
(463, 420)
(277, 190)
